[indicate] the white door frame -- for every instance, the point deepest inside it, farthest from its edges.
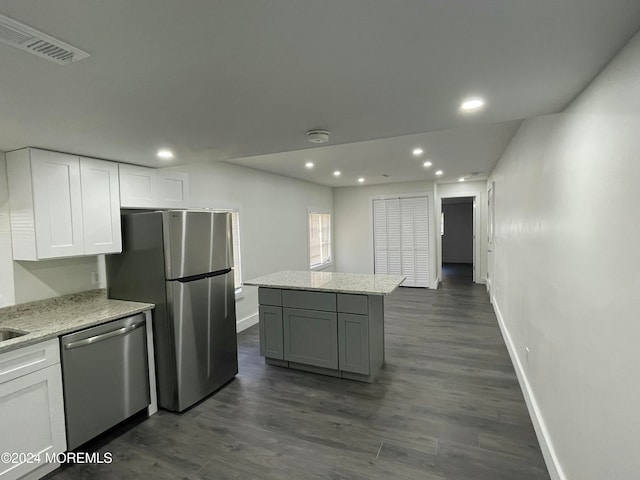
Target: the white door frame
(477, 235)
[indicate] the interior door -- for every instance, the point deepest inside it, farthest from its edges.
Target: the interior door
(401, 238)
(421, 241)
(491, 212)
(407, 226)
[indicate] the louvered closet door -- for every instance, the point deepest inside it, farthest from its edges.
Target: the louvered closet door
(380, 257)
(407, 242)
(421, 240)
(394, 240)
(401, 238)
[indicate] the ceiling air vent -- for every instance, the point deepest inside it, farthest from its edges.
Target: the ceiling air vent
(26, 38)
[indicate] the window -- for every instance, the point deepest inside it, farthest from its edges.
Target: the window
(237, 264)
(319, 239)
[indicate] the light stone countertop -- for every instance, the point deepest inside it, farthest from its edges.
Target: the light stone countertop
(50, 318)
(365, 284)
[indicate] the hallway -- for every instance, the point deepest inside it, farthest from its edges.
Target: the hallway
(446, 406)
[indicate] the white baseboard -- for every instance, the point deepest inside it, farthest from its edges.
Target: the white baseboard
(247, 322)
(548, 452)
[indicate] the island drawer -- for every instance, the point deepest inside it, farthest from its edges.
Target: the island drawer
(324, 301)
(349, 303)
(270, 296)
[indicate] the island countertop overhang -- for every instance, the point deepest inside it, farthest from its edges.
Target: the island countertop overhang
(354, 283)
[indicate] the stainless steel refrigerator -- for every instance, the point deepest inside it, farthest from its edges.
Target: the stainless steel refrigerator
(182, 261)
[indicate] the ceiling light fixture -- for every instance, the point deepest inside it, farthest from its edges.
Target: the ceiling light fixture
(427, 164)
(439, 172)
(309, 164)
(336, 173)
(318, 135)
(165, 154)
(461, 179)
(361, 180)
(472, 104)
(418, 151)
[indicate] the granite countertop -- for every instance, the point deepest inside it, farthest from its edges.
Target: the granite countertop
(46, 319)
(366, 284)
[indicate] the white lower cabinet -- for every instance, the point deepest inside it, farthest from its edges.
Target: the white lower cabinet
(31, 410)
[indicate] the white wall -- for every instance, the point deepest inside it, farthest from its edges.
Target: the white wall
(28, 281)
(476, 189)
(354, 223)
(273, 218)
(567, 273)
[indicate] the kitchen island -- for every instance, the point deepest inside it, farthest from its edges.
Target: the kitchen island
(324, 322)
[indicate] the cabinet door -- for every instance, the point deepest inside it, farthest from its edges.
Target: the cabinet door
(57, 201)
(353, 342)
(173, 189)
(138, 186)
(32, 416)
(271, 335)
(311, 337)
(100, 206)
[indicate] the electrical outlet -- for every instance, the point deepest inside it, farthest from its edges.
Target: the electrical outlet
(95, 278)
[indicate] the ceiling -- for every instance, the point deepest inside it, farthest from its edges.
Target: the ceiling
(227, 80)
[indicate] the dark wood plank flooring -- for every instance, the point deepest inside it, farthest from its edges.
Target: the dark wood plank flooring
(447, 405)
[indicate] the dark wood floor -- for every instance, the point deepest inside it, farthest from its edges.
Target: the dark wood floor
(446, 406)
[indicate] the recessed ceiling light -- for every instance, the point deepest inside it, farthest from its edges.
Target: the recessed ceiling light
(439, 172)
(309, 164)
(418, 151)
(165, 154)
(461, 179)
(427, 164)
(472, 104)
(361, 180)
(336, 173)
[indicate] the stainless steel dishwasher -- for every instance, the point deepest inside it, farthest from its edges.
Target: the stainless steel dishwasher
(105, 377)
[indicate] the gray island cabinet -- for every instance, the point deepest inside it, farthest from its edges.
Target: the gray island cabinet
(324, 322)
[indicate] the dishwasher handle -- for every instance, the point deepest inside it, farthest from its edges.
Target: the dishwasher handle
(104, 336)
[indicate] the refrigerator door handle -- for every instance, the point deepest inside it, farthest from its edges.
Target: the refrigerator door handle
(194, 278)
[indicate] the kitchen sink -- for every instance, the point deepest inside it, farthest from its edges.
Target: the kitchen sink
(9, 333)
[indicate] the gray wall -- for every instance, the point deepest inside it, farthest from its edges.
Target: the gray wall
(457, 241)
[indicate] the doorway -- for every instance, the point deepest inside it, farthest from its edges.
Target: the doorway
(458, 239)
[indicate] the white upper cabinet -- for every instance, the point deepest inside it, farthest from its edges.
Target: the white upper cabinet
(144, 187)
(173, 189)
(62, 205)
(138, 186)
(100, 206)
